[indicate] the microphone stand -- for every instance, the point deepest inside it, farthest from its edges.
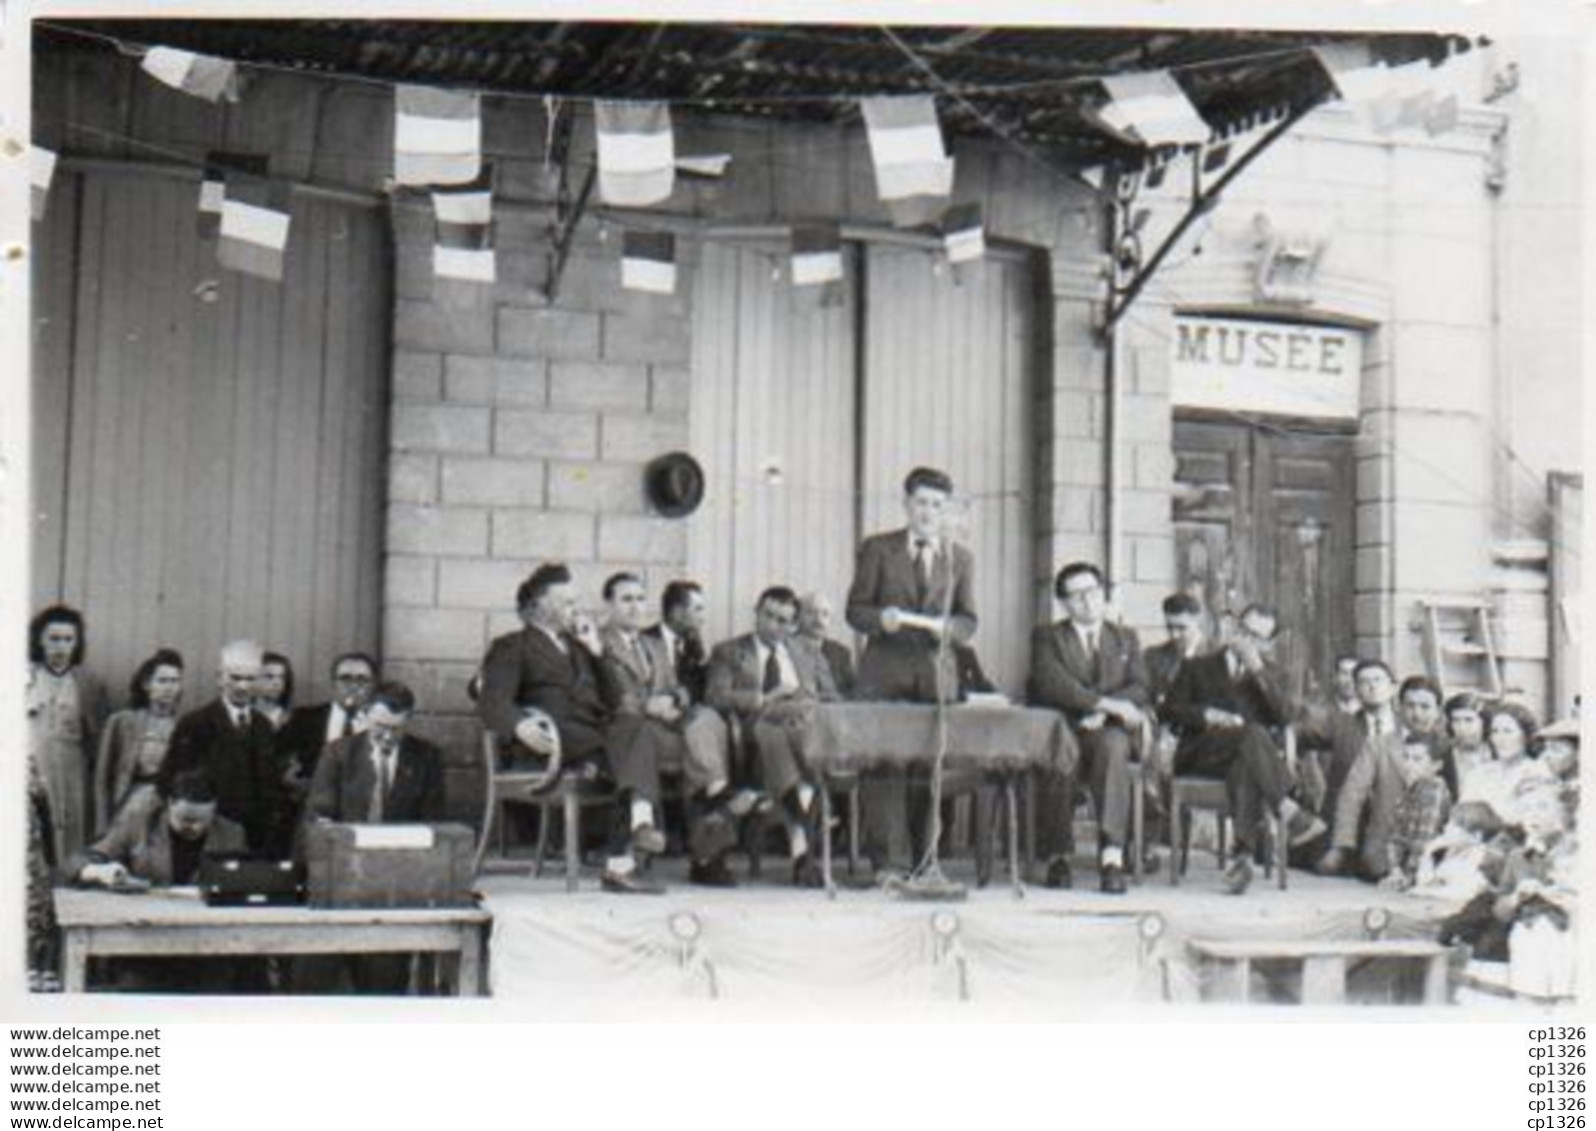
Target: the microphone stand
(927, 881)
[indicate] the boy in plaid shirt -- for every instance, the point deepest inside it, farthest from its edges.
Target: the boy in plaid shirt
(1422, 812)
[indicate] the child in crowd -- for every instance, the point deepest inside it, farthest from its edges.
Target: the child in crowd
(1422, 811)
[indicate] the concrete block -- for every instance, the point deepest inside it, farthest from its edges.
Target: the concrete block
(494, 482)
(1441, 458)
(502, 622)
(1077, 366)
(1446, 368)
(542, 535)
(1141, 606)
(1153, 467)
(481, 583)
(1153, 561)
(641, 437)
(556, 334)
(670, 388)
(1524, 638)
(604, 488)
(1144, 512)
(412, 478)
(1418, 262)
(1371, 567)
(417, 376)
(1078, 462)
(519, 382)
(1151, 370)
(597, 385)
(439, 428)
(1441, 548)
(410, 580)
(1077, 510)
(1370, 616)
(1145, 420)
(545, 434)
(427, 325)
(433, 634)
(654, 540)
(659, 340)
(436, 530)
(1077, 414)
(440, 686)
(1374, 477)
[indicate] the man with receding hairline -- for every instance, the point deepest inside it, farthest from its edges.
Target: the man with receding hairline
(236, 748)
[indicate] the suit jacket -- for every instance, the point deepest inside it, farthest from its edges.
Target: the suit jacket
(1162, 662)
(113, 769)
(304, 735)
(526, 669)
(346, 777)
(244, 766)
(140, 839)
(1066, 679)
(839, 659)
(736, 677)
(692, 666)
(628, 683)
(1366, 800)
(884, 577)
(1205, 681)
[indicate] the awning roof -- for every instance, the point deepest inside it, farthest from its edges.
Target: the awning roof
(1033, 84)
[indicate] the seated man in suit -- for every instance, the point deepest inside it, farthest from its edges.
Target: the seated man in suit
(903, 581)
(311, 728)
(814, 618)
(549, 666)
(1183, 622)
(1224, 705)
(640, 680)
(160, 840)
(238, 750)
(681, 630)
(1365, 777)
(1091, 670)
(383, 775)
(771, 679)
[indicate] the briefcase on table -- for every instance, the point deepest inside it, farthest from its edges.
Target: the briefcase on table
(388, 865)
(227, 880)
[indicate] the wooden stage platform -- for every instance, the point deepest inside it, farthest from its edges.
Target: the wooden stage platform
(1047, 953)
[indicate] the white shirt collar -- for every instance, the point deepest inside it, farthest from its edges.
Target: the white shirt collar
(558, 638)
(934, 542)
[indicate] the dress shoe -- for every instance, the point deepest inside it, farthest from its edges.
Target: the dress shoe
(746, 801)
(711, 874)
(647, 840)
(632, 883)
(1058, 874)
(806, 873)
(1112, 880)
(1238, 876)
(712, 834)
(1304, 828)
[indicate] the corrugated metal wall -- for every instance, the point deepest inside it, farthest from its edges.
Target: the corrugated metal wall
(946, 369)
(216, 466)
(949, 363)
(773, 424)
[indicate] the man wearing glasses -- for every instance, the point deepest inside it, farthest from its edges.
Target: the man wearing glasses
(1091, 670)
(310, 729)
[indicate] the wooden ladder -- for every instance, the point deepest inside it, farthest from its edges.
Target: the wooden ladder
(1478, 646)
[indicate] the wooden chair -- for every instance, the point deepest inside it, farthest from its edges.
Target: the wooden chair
(572, 790)
(1188, 792)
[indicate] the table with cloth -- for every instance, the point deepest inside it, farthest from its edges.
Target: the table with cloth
(1003, 742)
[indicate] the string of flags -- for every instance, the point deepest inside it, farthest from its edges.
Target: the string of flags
(437, 148)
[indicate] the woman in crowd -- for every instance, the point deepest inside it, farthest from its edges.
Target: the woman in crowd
(1521, 788)
(66, 708)
(274, 691)
(134, 746)
(1467, 748)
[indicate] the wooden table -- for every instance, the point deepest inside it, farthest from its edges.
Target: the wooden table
(1004, 742)
(1324, 964)
(176, 922)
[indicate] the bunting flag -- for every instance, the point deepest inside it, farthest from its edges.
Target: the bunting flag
(1093, 177)
(41, 171)
(636, 152)
(463, 244)
(648, 262)
(710, 167)
(1216, 157)
(437, 136)
(914, 174)
(254, 230)
(219, 165)
(816, 254)
(1153, 109)
(963, 233)
(200, 75)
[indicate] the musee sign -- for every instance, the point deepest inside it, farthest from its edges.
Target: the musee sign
(1274, 367)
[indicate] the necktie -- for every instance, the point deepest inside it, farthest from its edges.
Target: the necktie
(379, 794)
(772, 672)
(922, 569)
(349, 725)
(640, 657)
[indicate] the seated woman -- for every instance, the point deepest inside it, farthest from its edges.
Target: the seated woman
(135, 741)
(1521, 788)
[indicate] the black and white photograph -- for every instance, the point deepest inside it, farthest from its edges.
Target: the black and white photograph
(605, 515)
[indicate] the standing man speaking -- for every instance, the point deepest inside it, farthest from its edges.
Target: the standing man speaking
(910, 588)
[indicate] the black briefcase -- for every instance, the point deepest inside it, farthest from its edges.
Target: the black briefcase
(239, 881)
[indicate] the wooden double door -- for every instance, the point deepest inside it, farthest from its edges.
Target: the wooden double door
(1265, 512)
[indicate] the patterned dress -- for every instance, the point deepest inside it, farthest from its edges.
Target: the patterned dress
(57, 732)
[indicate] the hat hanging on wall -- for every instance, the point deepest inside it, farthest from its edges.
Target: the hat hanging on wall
(674, 484)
